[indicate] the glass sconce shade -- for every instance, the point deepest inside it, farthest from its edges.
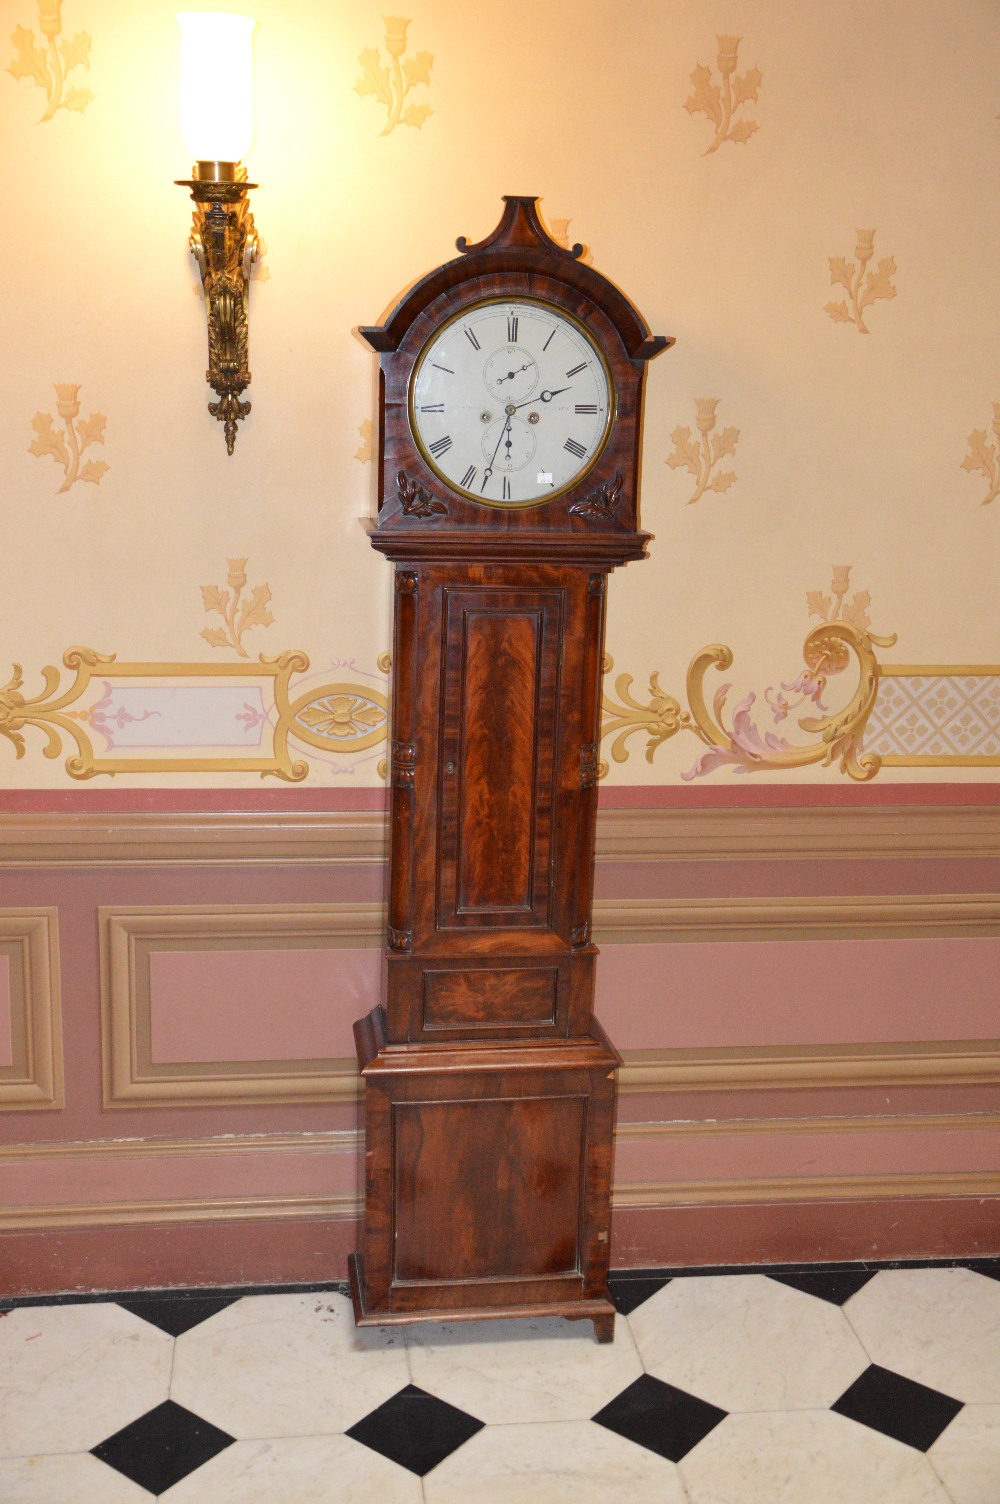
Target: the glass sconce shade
(216, 85)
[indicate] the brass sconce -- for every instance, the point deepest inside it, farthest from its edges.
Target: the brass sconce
(217, 123)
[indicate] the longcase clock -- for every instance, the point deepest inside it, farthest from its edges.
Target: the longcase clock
(509, 425)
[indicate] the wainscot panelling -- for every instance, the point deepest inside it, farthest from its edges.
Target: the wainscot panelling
(31, 1063)
(133, 940)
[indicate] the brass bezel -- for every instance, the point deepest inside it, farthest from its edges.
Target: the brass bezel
(463, 313)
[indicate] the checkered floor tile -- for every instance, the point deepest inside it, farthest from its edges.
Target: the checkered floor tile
(845, 1386)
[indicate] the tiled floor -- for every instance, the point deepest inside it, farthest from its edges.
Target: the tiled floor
(849, 1386)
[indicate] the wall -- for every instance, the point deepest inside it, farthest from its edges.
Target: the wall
(797, 884)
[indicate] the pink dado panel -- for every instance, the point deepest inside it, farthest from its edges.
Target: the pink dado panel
(802, 992)
(6, 1041)
(208, 1005)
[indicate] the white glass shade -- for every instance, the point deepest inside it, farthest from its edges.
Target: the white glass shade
(216, 85)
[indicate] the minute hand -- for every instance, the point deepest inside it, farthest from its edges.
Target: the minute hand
(545, 396)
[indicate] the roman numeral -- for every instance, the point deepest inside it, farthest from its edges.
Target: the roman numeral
(585, 407)
(511, 328)
(576, 448)
(577, 369)
(442, 368)
(549, 341)
(506, 487)
(432, 407)
(441, 446)
(469, 476)
(473, 341)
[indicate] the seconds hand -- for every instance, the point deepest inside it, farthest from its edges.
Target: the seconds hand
(488, 472)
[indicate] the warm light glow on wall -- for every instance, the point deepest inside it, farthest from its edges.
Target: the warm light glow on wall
(216, 85)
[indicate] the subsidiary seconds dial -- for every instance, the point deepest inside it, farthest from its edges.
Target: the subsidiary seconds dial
(511, 402)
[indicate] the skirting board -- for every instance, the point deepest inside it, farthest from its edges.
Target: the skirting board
(290, 1250)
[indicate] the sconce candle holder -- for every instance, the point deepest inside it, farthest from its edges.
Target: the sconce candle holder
(224, 243)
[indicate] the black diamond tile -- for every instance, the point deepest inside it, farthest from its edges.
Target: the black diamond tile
(162, 1447)
(175, 1314)
(415, 1429)
(657, 1416)
(629, 1293)
(898, 1407)
(836, 1286)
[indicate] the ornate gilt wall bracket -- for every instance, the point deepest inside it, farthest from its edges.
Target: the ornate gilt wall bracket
(224, 244)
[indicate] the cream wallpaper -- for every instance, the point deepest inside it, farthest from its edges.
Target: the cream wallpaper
(803, 195)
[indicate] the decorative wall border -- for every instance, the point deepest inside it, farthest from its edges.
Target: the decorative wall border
(51, 713)
(131, 1079)
(34, 1080)
(358, 837)
(934, 672)
(350, 719)
(127, 935)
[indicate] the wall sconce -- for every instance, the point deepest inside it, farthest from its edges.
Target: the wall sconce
(217, 123)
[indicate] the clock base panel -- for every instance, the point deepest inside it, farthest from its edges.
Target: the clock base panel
(600, 1310)
(487, 1178)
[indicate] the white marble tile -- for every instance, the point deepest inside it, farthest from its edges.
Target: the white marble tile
(967, 1455)
(538, 1370)
(745, 1342)
(806, 1457)
(938, 1326)
(567, 1462)
(287, 1365)
(76, 1478)
(70, 1376)
(299, 1470)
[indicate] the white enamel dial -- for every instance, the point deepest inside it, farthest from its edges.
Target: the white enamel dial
(511, 402)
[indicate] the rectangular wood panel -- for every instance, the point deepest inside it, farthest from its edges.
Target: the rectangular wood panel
(488, 1189)
(500, 702)
(496, 821)
(518, 997)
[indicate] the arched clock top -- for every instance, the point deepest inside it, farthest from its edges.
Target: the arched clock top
(520, 243)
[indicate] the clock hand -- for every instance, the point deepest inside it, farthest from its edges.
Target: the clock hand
(487, 473)
(545, 396)
(511, 374)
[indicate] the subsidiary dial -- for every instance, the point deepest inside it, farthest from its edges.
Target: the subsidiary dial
(511, 402)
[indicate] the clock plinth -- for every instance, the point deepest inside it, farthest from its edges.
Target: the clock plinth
(511, 404)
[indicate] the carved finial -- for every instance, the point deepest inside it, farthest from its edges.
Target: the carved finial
(520, 227)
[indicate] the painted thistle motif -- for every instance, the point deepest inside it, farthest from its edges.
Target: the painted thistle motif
(985, 457)
(701, 456)
(238, 614)
(51, 61)
(66, 445)
(720, 102)
(391, 85)
(559, 230)
(863, 287)
(364, 449)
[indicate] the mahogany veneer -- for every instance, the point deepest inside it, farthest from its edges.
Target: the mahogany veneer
(490, 1088)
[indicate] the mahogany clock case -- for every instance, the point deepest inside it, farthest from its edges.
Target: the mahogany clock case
(489, 1086)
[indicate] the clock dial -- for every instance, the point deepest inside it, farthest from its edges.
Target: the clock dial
(511, 402)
